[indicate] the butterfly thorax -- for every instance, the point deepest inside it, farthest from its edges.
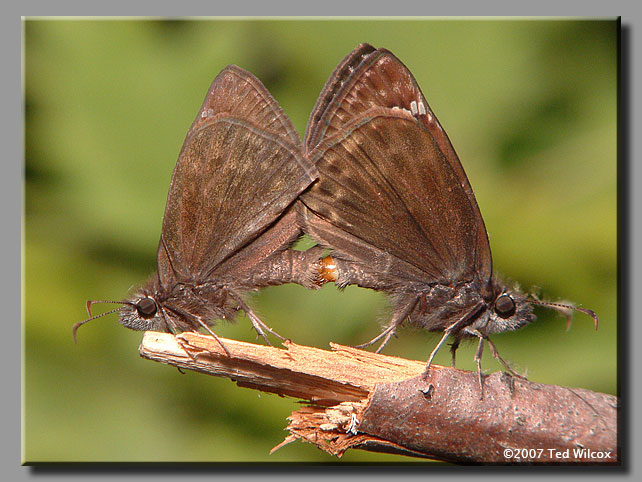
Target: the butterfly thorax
(463, 309)
(439, 306)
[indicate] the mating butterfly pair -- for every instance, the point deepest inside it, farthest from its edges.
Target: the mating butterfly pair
(377, 181)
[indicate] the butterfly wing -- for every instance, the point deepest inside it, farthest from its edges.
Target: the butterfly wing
(390, 182)
(325, 109)
(240, 168)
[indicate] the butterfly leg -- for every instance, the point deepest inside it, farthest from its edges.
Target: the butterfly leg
(478, 358)
(388, 332)
(258, 325)
(434, 352)
(397, 319)
(227, 352)
(447, 332)
(176, 330)
(493, 350)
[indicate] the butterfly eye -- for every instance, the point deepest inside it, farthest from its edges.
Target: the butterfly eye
(146, 307)
(504, 306)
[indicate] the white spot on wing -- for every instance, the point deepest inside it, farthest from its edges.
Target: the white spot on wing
(413, 107)
(422, 108)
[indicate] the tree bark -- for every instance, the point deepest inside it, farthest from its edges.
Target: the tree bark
(363, 400)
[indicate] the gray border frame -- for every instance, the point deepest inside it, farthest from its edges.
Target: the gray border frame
(11, 193)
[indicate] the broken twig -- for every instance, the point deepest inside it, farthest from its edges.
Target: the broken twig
(363, 400)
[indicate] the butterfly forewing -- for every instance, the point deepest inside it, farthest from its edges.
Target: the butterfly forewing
(236, 91)
(333, 88)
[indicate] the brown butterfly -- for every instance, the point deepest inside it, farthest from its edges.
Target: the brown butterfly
(395, 206)
(229, 216)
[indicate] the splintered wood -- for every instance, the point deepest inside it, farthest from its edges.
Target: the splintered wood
(320, 376)
(363, 400)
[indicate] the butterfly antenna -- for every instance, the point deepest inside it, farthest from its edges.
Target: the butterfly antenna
(91, 302)
(568, 309)
(91, 317)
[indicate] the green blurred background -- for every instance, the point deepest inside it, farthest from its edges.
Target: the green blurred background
(530, 107)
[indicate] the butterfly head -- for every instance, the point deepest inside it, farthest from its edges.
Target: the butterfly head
(511, 310)
(141, 312)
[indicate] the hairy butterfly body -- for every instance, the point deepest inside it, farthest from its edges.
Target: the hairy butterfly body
(230, 214)
(395, 206)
